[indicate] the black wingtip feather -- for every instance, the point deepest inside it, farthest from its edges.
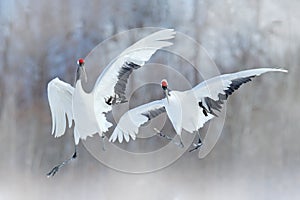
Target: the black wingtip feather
(216, 104)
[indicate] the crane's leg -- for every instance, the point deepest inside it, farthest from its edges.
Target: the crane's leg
(57, 167)
(198, 145)
(159, 133)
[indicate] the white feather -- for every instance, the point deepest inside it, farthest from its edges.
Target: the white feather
(139, 53)
(212, 87)
(130, 122)
(88, 109)
(60, 101)
(182, 107)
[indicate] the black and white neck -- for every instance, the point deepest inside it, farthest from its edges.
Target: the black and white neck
(80, 73)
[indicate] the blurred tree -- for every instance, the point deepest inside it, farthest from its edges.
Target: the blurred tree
(40, 40)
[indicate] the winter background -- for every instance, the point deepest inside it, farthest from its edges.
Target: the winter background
(258, 153)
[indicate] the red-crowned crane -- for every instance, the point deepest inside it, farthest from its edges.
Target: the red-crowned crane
(88, 110)
(188, 110)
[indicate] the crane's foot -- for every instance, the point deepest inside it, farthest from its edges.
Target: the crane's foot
(53, 171)
(196, 146)
(56, 168)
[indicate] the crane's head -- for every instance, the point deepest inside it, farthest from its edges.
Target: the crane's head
(80, 62)
(81, 70)
(164, 86)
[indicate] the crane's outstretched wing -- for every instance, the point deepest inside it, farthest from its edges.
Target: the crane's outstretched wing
(111, 84)
(212, 93)
(131, 121)
(60, 101)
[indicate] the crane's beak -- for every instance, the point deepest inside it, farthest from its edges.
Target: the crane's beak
(84, 73)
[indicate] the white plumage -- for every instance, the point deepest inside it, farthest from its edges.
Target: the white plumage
(188, 110)
(88, 109)
(60, 101)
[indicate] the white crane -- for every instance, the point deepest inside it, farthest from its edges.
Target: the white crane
(88, 110)
(187, 110)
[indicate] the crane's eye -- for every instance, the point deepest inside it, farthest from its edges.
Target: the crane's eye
(80, 62)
